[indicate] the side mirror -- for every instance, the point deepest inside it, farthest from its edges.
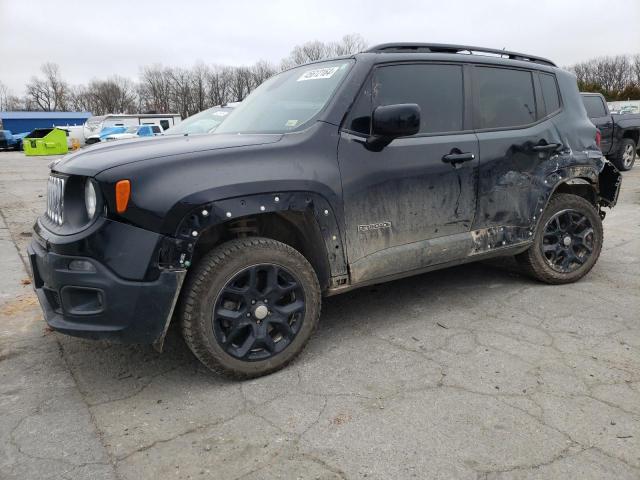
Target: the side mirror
(393, 121)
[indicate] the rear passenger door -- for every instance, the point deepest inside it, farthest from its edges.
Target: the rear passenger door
(398, 199)
(517, 136)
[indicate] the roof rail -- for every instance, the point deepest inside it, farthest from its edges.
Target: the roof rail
(446, 48)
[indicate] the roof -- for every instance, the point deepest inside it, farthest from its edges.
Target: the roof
(43, 115)
(447, 48)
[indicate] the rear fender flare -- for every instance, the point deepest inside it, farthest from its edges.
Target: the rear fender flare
(604, 179)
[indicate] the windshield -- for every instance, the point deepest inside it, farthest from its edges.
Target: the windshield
(203, 122)
(287, 101)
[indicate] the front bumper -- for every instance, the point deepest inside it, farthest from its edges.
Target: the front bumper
(96, 302)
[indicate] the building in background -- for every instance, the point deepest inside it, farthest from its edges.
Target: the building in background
(19, 122)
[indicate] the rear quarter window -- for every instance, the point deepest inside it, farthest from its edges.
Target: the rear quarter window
(550, 93)
(505, 98)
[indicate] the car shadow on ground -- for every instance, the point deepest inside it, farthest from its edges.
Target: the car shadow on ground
(352, 314)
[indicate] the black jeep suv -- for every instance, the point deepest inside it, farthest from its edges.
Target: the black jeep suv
(330, 176)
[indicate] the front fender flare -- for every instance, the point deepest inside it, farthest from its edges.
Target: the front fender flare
(177, 251)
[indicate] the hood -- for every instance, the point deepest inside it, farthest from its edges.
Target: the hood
(103, 156)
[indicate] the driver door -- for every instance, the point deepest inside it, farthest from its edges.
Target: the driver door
(405, 204)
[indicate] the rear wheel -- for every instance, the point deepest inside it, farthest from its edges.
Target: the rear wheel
(625, 157)
(250, 307)
(567, 242)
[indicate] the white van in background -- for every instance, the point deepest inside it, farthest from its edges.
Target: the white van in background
(94, 125)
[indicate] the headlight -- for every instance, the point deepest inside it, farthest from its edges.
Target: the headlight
(90, 198)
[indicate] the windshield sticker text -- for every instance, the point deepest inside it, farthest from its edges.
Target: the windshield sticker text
(318, 74)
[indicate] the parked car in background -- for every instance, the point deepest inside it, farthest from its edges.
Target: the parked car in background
(105, 132)
(94, 125)
(203, 122)
(619, 134)
(135, 132)
(628, 109)
(11, 141)
(329, 176)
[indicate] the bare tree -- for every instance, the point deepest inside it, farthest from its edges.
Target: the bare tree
(261, 71)
(636, 69)
(240, 83)
(155, 89)
(4, 96)
(219, 85)
(50, 93)
(615, 77)
(199, 75)
(350, 44)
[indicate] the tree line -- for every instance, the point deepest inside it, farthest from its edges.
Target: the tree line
(186, 91)
(165, 89)
(617, 77)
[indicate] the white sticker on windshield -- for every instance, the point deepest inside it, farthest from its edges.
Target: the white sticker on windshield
(291, 123)
(318, 74)
(221, 113)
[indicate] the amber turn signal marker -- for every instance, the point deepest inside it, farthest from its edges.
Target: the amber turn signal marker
(123, 191)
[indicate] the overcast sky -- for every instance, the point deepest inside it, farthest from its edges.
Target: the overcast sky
(93, 39)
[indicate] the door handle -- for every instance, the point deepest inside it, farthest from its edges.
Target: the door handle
(545, 147)
(454, 158)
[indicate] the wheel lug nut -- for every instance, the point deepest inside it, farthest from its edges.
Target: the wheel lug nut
(248, 314)
(253, 302)
(266, 301)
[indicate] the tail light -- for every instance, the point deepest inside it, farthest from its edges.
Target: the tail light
(598, 138)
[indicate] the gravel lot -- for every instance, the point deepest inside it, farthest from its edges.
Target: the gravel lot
(472, 372)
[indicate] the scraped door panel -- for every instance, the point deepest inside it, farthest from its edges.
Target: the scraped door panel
(398, 199)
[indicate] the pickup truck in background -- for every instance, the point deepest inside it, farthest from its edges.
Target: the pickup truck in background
(619, 133)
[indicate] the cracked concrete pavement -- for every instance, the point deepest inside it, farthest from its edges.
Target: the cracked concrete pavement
(474, 372)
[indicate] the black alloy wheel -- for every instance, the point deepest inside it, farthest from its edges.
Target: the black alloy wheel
(249, 306)
(259, 312)
(568, 241)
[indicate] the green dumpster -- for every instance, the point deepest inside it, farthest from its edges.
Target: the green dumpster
(45, 141)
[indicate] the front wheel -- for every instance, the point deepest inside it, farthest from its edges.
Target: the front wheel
(250, 307)
(567, 242)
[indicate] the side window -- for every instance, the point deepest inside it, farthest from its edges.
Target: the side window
(550, 92)
(594, 106)
(505, 97)
(164, 124)
(156, 129)
(437, 89)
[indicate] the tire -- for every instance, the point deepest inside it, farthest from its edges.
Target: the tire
(218, 317)
(546, 258)
(626, 155)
